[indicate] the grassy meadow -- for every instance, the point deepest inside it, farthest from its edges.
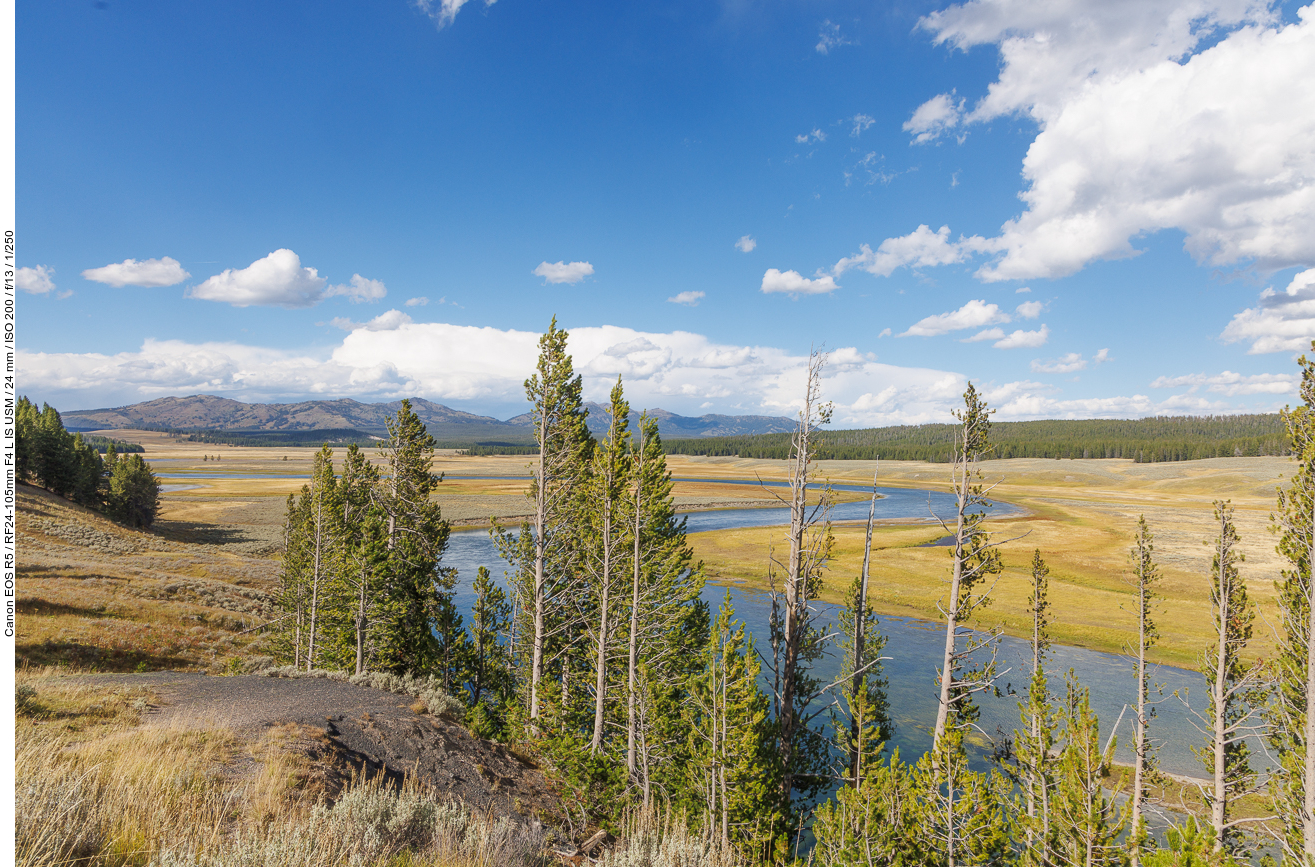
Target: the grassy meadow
(95, 594)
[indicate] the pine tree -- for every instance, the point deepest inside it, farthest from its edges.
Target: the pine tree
(490, 619)
(1293, 715)
(1034, 744)
(878, 822)
(321, 541)
(1236, 692)
(865, 725)
(665, 620)
(605, 546)
(365, 544)
(1086, 822)
(415, 587)
(796, 640)
(134, 493)
(545, 554)
(732, 777)
(1145, 575)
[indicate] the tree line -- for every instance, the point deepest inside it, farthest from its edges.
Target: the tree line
(70, 465)
(1147, 440)
(602, 659)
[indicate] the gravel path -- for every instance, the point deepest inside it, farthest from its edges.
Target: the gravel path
(373, 730)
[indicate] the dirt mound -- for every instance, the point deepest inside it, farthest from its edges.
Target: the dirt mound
(368, 730)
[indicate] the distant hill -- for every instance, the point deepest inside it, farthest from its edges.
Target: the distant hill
(204, 412)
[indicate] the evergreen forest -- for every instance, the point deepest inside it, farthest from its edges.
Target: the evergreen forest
(72, 466)
(1147, 440)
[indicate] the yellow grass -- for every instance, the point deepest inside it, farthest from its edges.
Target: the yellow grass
(1082, 515)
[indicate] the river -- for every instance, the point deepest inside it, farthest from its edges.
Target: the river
(915, 646)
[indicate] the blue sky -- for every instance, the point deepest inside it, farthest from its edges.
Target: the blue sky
(302, 200)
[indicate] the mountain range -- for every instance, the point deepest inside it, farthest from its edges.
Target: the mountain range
(210, 413)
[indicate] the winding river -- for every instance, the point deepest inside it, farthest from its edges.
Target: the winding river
(914, 646)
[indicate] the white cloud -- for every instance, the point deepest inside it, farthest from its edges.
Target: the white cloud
(1030, 309)
(563, 272)
(472, 367)
(1101, 357)
(746, 244)
(1023, 291)
(688, 298)
(885, 332)
(390, 320)
(1070, 363)
(1282, 322)
(920, 248)
(934, 117)
(360, 289)
(815, 136)
(35, 280)
(149, 273)
(986, 334)
(1189, 115)
(444, 12)
(860, 123)
(1233, 384)
(974, 314)
(417, 302)
(797, 284)
(1024, 339)
(829, 37)
(278, 280)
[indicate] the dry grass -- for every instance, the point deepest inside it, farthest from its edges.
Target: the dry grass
(94, 594)
(1082, 518)
(97, 787)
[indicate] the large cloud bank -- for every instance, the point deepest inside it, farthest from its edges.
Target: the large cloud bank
(485, 368)
(1140, 129)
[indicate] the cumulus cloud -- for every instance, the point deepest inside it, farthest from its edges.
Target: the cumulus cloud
(1023, 290)
(149, 273)
(1101, 357)
(919, 249)
(1190, 115)
(829, 37)
(690, 299)
(796, 284)
(388, 321)
(1233, 384)
(986, 334)
(38, 280)
(1282, 322)
(1030, 309)
(1021, 339)
(417, 302)
(934, 117)
(746, 244)
(444, 12)
(563, 272)
(359, 290)
(1070, 363)
(278, 280)
(974, 314)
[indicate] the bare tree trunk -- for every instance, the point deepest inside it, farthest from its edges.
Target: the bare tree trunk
(1139, 736)
(859, 685)
(360, 627)
(315, 581)
(1308, 772)
(600, 675)
(633, 664)
(1219, 807)
(952, 610)
(540, 552)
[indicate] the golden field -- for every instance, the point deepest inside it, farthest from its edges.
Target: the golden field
(1080, 514)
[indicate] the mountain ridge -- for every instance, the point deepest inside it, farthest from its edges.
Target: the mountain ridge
(212, 413)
